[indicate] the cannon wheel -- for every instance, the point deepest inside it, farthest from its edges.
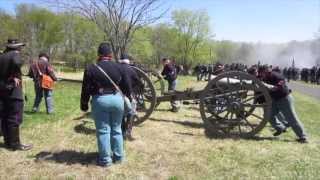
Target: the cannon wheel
(228, 105)
(145, 96)
(157, 81)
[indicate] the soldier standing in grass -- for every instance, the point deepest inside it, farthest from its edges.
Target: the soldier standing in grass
(318, 76)
(11, 95)
(37, 69)
(170, 74)
(128, 120)
(101, 81)
(282, 102)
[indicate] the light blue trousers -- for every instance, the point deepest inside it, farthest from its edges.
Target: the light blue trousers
(107, 111)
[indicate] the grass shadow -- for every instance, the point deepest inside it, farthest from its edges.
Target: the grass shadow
(184, 123)
(83, 129)
(193, 108)
(163, 110)
(83, 116)
(68, 157)
(186, 134)
(193, 116)
(262, 138)
(28, 112)
(212, 135)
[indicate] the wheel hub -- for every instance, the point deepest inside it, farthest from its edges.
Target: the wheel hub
(235, 107)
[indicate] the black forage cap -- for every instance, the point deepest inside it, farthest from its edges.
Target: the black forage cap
(14, 43)
(104, 49)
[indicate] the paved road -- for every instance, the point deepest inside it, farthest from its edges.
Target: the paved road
(313, 91)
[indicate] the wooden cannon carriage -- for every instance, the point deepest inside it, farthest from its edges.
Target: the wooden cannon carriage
(228, 104)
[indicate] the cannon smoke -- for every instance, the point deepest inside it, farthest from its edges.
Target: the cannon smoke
(304, 54)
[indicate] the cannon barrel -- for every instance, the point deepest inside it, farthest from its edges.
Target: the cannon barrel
(235, 81)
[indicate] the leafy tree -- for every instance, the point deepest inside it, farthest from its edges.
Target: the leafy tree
(164, 41)
(81, 40)
(225, 51)
(140, 47)
(118, 19)
(40, 28)
(7, 24)
(205, 53)
(193, 27)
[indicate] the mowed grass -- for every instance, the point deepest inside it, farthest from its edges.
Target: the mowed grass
(66, 103)
(168, 146)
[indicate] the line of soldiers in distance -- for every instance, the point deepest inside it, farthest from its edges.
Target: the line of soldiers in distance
(312, 75)
(204, 72)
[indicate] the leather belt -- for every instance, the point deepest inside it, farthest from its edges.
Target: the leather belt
(103, 91)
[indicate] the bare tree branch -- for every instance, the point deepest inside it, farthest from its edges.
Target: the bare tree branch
(119, 19)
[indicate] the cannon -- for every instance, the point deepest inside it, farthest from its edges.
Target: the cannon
(229, 104)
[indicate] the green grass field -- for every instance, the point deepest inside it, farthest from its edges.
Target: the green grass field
(66, 100)
(168, 146)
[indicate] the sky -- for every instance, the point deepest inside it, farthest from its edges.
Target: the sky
(269, 21)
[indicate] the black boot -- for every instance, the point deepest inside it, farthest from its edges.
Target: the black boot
(5, 134)
(1, 129)
(14, 143)
(1, 126)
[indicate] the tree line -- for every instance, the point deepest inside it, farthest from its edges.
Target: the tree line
(72, 37)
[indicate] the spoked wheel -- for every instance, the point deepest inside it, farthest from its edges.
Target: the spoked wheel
(145, 96)
(158, 83)
(228, 105)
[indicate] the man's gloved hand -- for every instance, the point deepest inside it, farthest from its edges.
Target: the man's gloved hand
(84, 107)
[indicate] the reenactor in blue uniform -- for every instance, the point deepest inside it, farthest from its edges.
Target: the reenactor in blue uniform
(318, 75)
(205, 72)
(136, 84)
(277, 69)
(202, 72)
(305, 75)
(285, 72)
(313, 72)
(169, 73)
(210, 71)
(101, 83)
(197, 71)
(289, 73)
(218, 68)
(295, 75)
(11, 95)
